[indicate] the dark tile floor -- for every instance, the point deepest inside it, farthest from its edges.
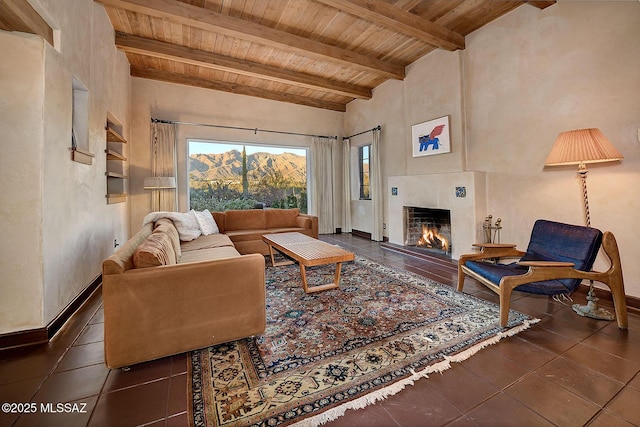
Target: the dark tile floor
(565, 371)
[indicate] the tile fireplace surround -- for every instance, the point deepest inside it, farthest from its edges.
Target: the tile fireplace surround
(438, 191)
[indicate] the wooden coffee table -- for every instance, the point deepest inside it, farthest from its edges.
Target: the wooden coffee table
(308, 252)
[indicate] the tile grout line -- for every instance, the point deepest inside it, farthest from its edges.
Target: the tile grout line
(536, 373)
(64, 353)
(604, 407)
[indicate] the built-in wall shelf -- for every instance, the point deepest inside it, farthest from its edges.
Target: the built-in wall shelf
(116, 163)
(113, 135)
(114, 155)
(115, 175)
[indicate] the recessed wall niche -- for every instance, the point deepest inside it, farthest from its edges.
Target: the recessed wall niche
(80, 124)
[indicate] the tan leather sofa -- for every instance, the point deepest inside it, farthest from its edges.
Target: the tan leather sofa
(246, 227)
(163, 296)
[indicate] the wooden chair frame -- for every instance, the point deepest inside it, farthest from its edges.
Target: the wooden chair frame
(547, 270)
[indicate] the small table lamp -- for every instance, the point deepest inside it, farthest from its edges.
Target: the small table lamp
(579, 147)
(159, 183)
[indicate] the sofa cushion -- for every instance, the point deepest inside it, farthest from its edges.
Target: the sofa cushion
(251, 219)
(495, 272)
(209, 254)
(165, 225)
(244, 235)
(304, 222)
(156, 250)
(555, 241)
(219, 219)
(207, 242)
(206, 222)
(288, 230)
(280, 218)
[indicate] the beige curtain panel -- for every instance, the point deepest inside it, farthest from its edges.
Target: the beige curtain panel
(346, 186)
(321, 158)
(376, 187)
(164, 164)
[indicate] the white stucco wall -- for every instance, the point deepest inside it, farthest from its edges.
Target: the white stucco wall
(431, 89)
(533, 74)
(74, 195)
(158, 100)
(521, 80)
(57, 215)
(21, 99)
(387, 109)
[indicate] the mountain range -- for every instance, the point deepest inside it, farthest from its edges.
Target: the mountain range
(228, 166)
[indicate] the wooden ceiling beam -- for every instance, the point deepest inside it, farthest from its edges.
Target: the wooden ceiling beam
(542, 4)
(208, 20)
(158, 49)
(410, 24)
(188, 80)
(19, 15)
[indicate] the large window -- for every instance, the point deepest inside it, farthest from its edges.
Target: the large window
(363, 164)
(226, 176)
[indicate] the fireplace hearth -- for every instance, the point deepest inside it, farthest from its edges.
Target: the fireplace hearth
(427, 230)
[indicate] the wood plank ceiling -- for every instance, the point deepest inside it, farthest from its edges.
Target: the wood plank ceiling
(320, 53)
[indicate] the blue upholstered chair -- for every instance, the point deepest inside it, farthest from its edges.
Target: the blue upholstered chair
(558, 258)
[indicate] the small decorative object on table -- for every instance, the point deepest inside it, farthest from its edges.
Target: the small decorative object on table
(492, 231)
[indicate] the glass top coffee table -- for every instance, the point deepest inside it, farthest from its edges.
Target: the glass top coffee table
(308, 252)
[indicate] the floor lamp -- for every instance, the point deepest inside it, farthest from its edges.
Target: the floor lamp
(159, 183)
(579, 147)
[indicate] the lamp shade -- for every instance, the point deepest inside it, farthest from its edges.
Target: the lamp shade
(582, 146)
(159, 182)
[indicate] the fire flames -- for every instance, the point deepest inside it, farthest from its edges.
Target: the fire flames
(432, 239)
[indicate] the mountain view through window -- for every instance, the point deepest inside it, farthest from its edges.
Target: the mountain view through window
(225, 176)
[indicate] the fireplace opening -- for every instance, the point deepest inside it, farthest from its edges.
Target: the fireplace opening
(427, 230)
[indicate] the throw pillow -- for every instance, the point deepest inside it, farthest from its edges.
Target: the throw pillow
(189, 229)
(206, 222)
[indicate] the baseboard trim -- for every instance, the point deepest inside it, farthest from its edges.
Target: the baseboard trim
(362, 234)
(44, 334)
(23, 338)
(366, 235)
(56, 324)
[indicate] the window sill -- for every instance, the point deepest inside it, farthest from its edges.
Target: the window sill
(82, 156)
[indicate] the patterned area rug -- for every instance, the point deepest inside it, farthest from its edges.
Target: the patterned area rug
(324, 353)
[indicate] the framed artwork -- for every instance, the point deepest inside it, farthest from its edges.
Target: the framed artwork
(432, 137)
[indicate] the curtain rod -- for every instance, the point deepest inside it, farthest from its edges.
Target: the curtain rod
(255, 130)
(360, 133)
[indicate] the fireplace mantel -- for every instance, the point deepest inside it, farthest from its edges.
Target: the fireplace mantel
(438, 191)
